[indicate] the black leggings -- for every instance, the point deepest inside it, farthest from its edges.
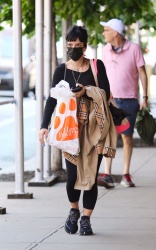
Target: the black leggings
(89, 196)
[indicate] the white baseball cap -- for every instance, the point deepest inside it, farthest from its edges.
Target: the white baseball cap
(115, 24)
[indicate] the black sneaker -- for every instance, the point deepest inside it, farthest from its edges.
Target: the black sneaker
(105, 180)
(71, 226)
(85, 226)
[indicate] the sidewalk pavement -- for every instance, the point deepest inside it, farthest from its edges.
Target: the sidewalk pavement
(124, 218)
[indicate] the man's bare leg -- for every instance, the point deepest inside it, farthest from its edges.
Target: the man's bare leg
(127, 151)
(127, 155)
(107, 165)
(106, 180)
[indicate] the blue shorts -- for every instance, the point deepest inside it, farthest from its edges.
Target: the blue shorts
(132, 107)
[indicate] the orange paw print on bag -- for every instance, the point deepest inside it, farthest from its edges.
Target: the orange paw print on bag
(69, 129)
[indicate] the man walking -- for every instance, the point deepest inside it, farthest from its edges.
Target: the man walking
(124, 64)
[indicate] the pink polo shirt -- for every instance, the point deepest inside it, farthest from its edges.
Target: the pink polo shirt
(122, 69)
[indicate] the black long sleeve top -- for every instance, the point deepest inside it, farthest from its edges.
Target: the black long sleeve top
(86, 78)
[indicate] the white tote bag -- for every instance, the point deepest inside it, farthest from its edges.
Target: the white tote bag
(64, 128)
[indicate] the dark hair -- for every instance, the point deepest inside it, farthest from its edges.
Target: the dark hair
(75, 32)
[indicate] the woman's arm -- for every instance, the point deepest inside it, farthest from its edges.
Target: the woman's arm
(50, 105)
(102, 78)
(51, 102)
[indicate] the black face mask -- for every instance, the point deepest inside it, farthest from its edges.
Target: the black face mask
(75, 53)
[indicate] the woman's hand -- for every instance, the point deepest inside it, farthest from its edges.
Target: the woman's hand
(42, 135)
(81, 92)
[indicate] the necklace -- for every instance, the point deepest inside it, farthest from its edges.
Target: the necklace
(76, 80)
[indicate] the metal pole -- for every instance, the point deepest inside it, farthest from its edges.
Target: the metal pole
(18, 95)
(39, 180)
(47, 73)
(39, 86)
(137, 32)
(64, 31)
